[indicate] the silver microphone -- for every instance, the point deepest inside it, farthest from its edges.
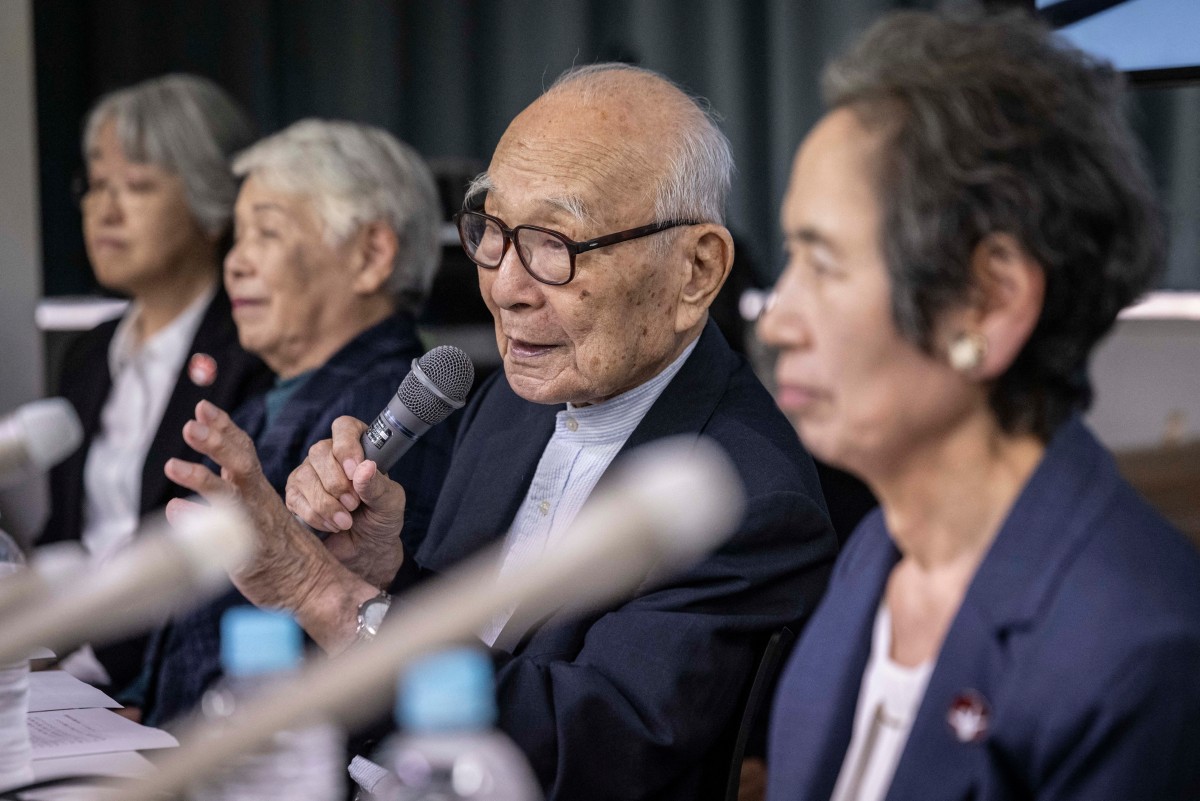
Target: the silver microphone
(162, 571)
(36, 437)
(437, 385)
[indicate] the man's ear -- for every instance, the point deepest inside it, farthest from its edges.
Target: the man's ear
(708, 256)
(1005, 304)
(373, 257)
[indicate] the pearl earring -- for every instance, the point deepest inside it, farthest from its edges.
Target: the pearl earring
(967, 351)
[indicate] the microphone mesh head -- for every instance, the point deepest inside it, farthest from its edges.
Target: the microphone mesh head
(448, 369)
(52, 431)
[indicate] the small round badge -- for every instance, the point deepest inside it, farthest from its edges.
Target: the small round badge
(202, 369)
(968, 716)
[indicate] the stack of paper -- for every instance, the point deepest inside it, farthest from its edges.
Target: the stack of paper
(75, 732)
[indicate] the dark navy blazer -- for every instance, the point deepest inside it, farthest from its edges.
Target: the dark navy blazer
(358, 380)
(86, 383)
(1079, 637)
(631, 704)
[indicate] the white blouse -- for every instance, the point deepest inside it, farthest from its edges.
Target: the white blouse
(143, 378)
(887, 703)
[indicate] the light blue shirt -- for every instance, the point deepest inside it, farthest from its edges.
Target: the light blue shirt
(585, 441)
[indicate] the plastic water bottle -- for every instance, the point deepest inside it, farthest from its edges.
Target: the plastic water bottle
(447, 707)
(16, 756)
(258, 647)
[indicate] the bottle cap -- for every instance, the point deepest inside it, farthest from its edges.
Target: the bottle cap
(446, 691)
(259, 641)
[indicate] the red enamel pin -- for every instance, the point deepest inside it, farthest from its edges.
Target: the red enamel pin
(202, 369)
(968, 716)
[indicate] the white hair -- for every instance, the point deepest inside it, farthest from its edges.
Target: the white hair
(186, 124)
(696, 183)
(355, 174)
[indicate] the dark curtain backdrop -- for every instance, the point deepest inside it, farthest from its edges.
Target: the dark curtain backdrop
(444, 75)
(447, 76)
(1168, 120)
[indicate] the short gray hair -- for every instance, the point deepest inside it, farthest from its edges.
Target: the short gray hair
(186, 124)
(355, 174)
(696, 183)
(992, 125)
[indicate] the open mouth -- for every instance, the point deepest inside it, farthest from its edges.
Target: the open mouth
(527, 350)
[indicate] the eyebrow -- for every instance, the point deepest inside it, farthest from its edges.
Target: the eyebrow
(268, 206)
(573, 205)
(809, 236)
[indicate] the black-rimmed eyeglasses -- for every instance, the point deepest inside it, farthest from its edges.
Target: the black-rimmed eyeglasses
(547, 255)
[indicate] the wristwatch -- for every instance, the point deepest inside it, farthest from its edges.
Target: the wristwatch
(370, 616)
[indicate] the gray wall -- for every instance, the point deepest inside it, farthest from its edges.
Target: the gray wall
(1147, 381)
(21, 377)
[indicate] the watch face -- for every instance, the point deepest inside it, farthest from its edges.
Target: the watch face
(372, 612)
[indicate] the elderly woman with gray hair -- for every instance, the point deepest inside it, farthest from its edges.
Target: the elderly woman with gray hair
(156, 210)
(1015, 622)
(335, 248)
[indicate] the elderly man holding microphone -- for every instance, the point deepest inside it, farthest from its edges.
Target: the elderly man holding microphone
(600, 246)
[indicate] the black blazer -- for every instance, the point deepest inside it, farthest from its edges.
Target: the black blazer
(86, 383)
(633, 703)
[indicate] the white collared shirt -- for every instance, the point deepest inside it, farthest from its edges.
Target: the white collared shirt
(143, 378)
(585, 441)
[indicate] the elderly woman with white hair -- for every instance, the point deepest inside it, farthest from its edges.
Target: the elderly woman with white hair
(156, 210)
(335, 249)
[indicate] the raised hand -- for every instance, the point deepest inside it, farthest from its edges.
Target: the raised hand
(291, 568)
(288, 560)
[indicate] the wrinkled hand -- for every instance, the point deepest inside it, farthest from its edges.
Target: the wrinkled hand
(335, 490)
(289, 563)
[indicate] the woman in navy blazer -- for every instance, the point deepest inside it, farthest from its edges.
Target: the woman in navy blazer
(335, 250)
(1014, 622)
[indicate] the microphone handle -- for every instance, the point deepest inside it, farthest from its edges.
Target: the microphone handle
(394, 431)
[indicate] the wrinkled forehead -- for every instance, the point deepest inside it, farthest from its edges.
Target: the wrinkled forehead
(263, 195)
(586, 159)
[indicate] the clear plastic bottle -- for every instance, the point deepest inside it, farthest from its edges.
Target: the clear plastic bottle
(16, 756)
(449, 749)
(257, 648)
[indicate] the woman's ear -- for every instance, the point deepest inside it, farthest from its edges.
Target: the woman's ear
(708, 258)
(1005, 304)
(375, 248)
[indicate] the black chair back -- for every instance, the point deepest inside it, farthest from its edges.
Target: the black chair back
(758, 701)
